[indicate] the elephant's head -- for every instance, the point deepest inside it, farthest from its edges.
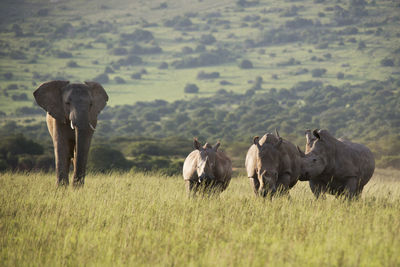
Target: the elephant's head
(206, 163)
(76, 104)
(268, 158)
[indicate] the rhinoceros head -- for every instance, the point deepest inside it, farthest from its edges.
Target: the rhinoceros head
(316, 159)
(207, 160)
(268, 163)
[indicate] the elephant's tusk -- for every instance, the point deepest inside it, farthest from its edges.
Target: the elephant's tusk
(72, 126)
(91, 127)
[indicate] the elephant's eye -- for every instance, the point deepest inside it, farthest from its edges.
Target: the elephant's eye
(67, 103)
(314, 160)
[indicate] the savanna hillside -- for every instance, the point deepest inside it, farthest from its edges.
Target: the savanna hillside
(224, 70)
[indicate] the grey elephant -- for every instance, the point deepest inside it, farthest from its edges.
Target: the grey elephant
(206, 168)
(72, 110)
(336, 166)
(272, 164)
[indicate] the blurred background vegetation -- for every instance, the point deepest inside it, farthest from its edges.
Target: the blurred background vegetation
(225, 70)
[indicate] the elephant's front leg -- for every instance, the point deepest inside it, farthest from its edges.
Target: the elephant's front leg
(63, 155)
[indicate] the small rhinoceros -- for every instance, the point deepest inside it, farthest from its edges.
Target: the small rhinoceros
(336, 166)
(207, 168)
(273, 164)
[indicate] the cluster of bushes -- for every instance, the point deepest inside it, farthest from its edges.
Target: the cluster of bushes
(18, 153)
(22, 154)
(208, 58)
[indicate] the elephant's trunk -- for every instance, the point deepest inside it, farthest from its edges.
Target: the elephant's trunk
(82, 143)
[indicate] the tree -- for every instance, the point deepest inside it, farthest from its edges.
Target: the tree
(104, 158)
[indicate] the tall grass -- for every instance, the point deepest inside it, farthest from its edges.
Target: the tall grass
(137, 219)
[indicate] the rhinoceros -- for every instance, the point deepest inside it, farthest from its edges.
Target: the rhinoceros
(336, 166)
(272, 164)
(207, 168)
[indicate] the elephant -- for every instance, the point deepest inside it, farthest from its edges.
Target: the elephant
(336, 166)
(72, 110)
(272, 164)
(207, 169)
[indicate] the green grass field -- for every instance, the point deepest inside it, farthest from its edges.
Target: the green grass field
(145, 220)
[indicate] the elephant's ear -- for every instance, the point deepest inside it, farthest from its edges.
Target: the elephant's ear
(99, 98)
(48, 95)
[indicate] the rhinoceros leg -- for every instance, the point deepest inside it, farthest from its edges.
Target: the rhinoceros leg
(191, 188)
(318, 189)
(255, 185)
(351, 188)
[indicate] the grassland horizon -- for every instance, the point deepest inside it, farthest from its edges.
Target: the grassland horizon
(146, 219)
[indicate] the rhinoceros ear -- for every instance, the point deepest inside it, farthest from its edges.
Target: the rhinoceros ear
(277, 145)
(196, 144)
(216, 146)
(256, 141)
(276, 133)
(316, 133)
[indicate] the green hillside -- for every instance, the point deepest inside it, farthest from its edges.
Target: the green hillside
(224, 70)
(286, 42)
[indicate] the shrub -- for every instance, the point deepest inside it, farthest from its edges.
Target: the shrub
(225, 83)
(19, 97)
(103, 158)
(130, 60)
(318, 72)
(204, 75)
(361, 45)
(18, 145)
(101, 78)
(210, 58)
(187, 50)
(12, 86)
(29, 111)
(62, 54)
(108, 69)
(119, 51)
(143, 50)
(19, 55)
(119, 80)
(43, 12)
(246, 64)
(387, 62)
(138, 35)
(299, 23)
(340, 75)
(72, 64)
(136, 76)
(191, 88)
(178, 22)
(44, 163)
(8, 75)
(207, 39)
(163, 65)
